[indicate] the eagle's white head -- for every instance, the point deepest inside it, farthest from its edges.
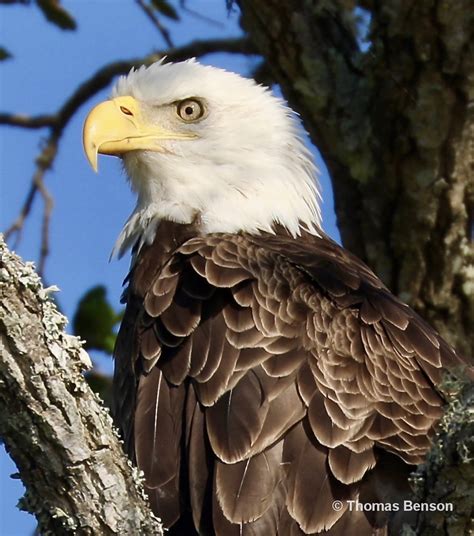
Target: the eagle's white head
(203, 144)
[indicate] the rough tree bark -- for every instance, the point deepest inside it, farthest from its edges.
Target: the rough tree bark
(68, 455)
(395, 125)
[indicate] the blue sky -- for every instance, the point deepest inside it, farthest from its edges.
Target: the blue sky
(89, 209)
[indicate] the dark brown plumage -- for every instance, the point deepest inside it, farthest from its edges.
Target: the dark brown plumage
(259, 378)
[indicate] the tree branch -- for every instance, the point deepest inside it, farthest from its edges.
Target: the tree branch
(69, 457)
(194, 13)
(43, 163)
(25, 121)
(156, 22)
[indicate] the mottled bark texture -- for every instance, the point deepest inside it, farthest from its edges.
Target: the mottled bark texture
(395, 125)
(68, 456)
(447, 476)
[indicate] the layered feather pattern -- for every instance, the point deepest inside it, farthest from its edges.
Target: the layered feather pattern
(263, 377)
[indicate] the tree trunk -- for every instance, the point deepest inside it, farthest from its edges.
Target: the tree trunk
(395, 125)
(68, 455)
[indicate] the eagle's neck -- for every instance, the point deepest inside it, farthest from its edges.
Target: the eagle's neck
(244, 191)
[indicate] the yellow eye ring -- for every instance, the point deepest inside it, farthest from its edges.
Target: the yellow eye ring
(190, 110)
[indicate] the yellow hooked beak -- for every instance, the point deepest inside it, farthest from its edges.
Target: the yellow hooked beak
(117, 126)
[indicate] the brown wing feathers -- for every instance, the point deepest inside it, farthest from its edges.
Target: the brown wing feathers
(270, 371)
(157, 439)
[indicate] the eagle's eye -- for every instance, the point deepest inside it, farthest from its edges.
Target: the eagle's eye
(190, 110)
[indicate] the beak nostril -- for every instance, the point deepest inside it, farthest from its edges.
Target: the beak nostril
(126, 111)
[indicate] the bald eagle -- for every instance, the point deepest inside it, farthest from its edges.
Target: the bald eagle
(265, 379)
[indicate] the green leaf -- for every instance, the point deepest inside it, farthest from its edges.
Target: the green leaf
(165, 8)
(4, 54)
(56, 14)
(95, 319)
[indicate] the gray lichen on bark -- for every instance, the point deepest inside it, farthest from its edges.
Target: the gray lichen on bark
(446, 476)
(68, 455)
